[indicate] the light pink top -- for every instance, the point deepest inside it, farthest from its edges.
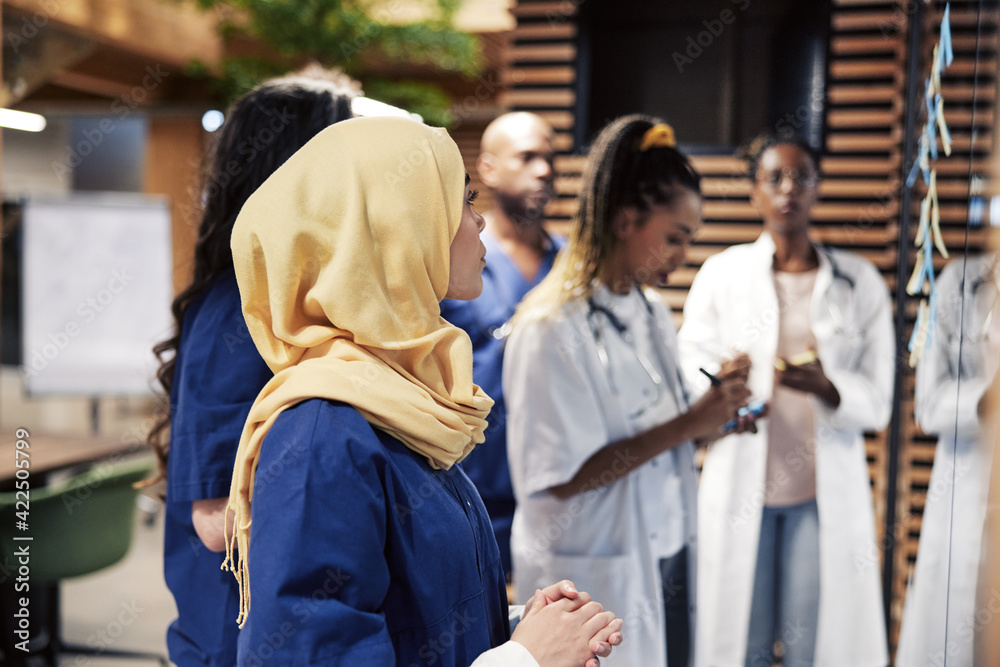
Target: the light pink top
(791, 459)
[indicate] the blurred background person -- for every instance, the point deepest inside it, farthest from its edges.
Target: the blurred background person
(786, 517)
(954, 377)
(211, 370)
(516, 164)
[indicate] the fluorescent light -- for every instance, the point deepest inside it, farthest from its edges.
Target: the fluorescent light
(366, 106)
(21, 120)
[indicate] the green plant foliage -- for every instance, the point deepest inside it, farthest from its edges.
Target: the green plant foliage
(422, 98)
(346, 34)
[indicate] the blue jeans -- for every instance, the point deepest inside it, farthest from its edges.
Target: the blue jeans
(785, 602)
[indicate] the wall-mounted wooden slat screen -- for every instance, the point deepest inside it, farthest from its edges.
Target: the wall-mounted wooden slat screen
(864, 121)
(861, 191)
(541, 75)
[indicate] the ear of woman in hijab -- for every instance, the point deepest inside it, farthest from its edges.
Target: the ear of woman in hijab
(342, 258)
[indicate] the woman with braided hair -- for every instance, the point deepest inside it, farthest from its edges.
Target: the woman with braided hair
(600, 431)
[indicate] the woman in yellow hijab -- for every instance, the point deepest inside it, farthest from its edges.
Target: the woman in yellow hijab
(358, 538)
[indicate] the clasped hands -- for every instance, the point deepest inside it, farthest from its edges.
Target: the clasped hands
(564, 627)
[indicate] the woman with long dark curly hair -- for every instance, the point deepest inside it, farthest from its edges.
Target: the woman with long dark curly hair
(210, 368)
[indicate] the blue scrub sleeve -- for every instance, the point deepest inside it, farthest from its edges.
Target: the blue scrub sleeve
(318, 574)
(218, 375)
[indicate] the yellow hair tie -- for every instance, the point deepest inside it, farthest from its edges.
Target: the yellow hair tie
(658, 136)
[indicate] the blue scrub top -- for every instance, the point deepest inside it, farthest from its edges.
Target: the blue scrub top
(503, 289)
(216, 380)
(362, 554)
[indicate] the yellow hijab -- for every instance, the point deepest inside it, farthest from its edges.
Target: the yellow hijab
(342, 257)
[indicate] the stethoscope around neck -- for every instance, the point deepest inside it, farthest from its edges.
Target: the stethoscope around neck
(840, 320)
(595, 309)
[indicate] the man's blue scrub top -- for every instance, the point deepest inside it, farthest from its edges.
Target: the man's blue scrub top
(503, 289)
(362, 554)
(216, 380)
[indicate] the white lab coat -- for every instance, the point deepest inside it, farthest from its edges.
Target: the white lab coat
(947, 396)
(732, 305)
(561, 410)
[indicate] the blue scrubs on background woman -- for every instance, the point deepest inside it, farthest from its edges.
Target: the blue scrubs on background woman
(216, 379)
(210, 368)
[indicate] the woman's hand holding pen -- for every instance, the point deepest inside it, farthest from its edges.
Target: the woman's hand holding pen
(728, 393)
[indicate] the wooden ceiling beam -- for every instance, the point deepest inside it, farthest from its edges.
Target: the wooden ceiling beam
(34, 63)
(172, 33)
(91, 85)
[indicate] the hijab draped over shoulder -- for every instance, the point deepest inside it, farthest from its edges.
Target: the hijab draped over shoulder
(342, 257)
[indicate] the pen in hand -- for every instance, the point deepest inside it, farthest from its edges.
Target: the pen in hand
(715, 381)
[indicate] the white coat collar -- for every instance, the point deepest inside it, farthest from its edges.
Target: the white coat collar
(764, 252)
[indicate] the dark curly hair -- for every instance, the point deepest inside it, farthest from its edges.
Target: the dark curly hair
(262, 130)
(754, 149)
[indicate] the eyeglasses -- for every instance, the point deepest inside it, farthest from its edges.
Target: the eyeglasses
(802, 179)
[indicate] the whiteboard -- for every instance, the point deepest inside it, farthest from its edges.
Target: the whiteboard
(96, 293)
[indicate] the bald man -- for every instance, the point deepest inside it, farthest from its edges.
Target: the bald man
(516, 164)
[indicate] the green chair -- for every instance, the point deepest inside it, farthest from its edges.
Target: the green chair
(78, 526)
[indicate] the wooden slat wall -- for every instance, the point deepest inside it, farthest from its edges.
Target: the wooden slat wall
(861, 191)
(541, 77)
(864, 152)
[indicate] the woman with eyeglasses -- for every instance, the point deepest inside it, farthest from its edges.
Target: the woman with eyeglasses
(788, 550)
(600, 428)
